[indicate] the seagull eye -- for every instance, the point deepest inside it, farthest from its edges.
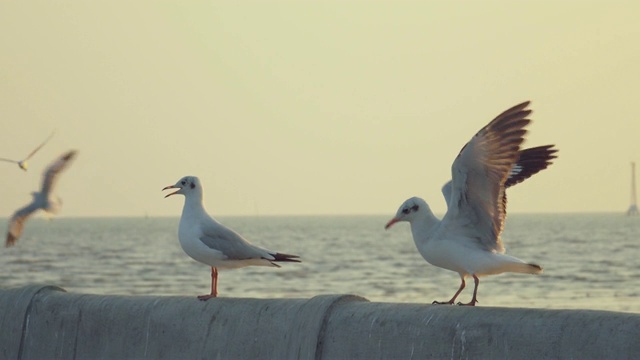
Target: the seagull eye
(415, 208)
(183, 182)
(405, 211)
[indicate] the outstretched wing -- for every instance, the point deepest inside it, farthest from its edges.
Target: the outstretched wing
(16, 223)
(39, 147)
(479, 172)
(51, 174)
(9, 160)
(530, 162)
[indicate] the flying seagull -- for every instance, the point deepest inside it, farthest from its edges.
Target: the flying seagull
(43, 200)
(23, 163)
(467, 239)
(211, 243)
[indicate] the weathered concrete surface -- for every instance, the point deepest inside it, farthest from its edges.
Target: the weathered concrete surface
(411, 331)
(41, 322)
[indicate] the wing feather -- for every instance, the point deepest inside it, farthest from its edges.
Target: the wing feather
(233, 245)
(16, 223)
(479, 173)
(530, 162)
(40, 146)
(51, 174)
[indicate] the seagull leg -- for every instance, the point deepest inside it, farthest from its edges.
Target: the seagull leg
(450, 302)
(214, 286)
(475, 292)
(214, 282)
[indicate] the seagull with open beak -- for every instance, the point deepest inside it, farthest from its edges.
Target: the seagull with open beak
(211, 243)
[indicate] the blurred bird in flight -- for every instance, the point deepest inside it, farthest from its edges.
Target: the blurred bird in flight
(43, 200)
(23, 163)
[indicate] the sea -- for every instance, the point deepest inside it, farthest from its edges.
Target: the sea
(591, 261)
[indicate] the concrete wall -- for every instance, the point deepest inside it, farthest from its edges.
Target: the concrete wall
(45, 322)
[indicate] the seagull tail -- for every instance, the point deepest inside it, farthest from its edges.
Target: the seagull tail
(506, 263)
(525, 268)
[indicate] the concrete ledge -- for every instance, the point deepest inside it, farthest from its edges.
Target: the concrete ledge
(45, 322)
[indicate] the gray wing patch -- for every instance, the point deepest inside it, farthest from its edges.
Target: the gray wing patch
(233, 246)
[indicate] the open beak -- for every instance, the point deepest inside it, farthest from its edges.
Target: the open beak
(390, 223)
(171, 187)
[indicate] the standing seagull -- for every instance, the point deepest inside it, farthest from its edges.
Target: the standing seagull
(211, 243)
(43, 200)
(467, 239)
(23, 163)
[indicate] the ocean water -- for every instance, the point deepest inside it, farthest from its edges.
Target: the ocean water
(591, 261)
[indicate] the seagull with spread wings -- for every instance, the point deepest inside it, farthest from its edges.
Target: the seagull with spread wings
(467, 239)
(42, 200)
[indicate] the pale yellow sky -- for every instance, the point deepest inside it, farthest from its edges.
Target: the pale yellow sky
(301, 107)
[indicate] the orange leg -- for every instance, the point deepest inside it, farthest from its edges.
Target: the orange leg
(214, 286)
(450, 302)
(475, 292)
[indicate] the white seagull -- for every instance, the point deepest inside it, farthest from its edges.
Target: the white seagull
(467, 239)
(211, 243)
(23, 163)
(43, 200)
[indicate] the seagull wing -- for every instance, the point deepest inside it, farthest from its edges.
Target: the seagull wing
(530, 162)
(51, 174)
(9, 160)
(477, 207)
(232, 245)
(39, 147)
(16, 223)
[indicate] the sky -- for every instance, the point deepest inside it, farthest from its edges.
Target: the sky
(312, 107)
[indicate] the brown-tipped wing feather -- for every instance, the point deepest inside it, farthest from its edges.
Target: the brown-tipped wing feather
(530, 162)
(478, 176)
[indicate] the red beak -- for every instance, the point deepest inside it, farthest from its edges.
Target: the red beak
(390, 223)
(170, 187)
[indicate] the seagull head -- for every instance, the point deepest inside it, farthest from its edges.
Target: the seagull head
(186, 186)
(408, 211)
